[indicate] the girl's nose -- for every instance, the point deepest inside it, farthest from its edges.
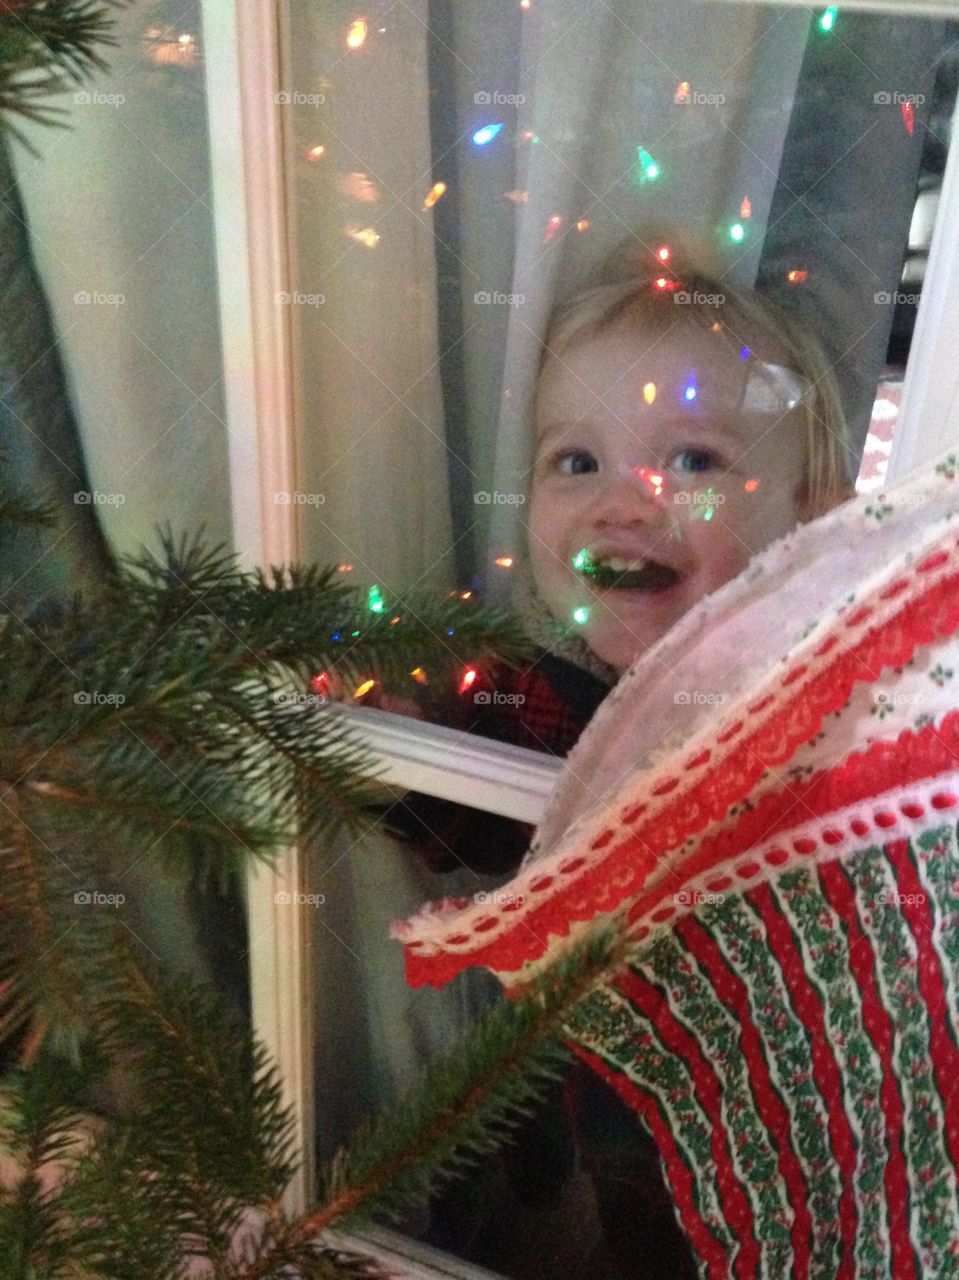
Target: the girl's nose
(634, 493)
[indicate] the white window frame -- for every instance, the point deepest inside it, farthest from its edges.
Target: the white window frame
(244, 72)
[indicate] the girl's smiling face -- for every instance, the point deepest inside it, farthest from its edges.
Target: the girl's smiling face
(651, 488)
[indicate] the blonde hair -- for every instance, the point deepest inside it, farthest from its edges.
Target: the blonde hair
(630, 293)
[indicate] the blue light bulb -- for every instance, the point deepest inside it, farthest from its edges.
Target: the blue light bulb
(488, 132)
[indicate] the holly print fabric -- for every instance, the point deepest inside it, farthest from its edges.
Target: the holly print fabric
(785, 861)
(792, 1049)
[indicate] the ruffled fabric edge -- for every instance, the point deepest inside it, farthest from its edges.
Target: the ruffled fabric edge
(540, 905)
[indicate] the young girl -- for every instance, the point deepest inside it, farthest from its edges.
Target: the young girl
(681, 427)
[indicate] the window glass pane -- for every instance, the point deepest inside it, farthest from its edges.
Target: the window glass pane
(457, 171)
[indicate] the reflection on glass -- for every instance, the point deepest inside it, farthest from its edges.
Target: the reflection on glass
(458, 172)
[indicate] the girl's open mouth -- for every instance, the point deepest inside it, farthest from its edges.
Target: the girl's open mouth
(611, 573)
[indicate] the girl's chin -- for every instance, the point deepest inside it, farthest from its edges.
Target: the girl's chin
(620, 637)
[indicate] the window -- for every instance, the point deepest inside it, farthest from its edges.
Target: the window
(407, 313)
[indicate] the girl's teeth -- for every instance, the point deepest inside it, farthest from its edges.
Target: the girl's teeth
(623, 566)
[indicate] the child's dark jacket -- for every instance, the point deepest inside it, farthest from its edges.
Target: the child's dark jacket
(545, 705)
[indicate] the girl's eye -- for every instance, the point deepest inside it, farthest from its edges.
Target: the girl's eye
(695, 461)
(575, 462)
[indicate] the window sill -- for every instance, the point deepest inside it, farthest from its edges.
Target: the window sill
(511, 781)
(407, 1259)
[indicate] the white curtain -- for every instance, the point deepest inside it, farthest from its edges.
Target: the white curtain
(119, 213)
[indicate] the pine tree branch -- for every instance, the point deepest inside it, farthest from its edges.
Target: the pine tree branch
(463, 1105)
(168, 737)
(208, 1138)
(189, 649)
(45, 47)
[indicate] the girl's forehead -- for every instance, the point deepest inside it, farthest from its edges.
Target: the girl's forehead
(682, 369)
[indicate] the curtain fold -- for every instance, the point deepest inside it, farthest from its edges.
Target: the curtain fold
(846, 191)
(363, 295)
(38, 430)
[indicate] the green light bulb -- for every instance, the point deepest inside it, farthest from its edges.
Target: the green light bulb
(374, 601)
(581, 614)
(828, 19)
(581, 560)
(647, 169)
(737, 232)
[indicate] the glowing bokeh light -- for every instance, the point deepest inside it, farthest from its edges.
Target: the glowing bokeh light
(648, 168)
(365, 236)
(704, 507)
(553, 224)
(356, 36)
(653, 479)
(436, 191)
(482, 137)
